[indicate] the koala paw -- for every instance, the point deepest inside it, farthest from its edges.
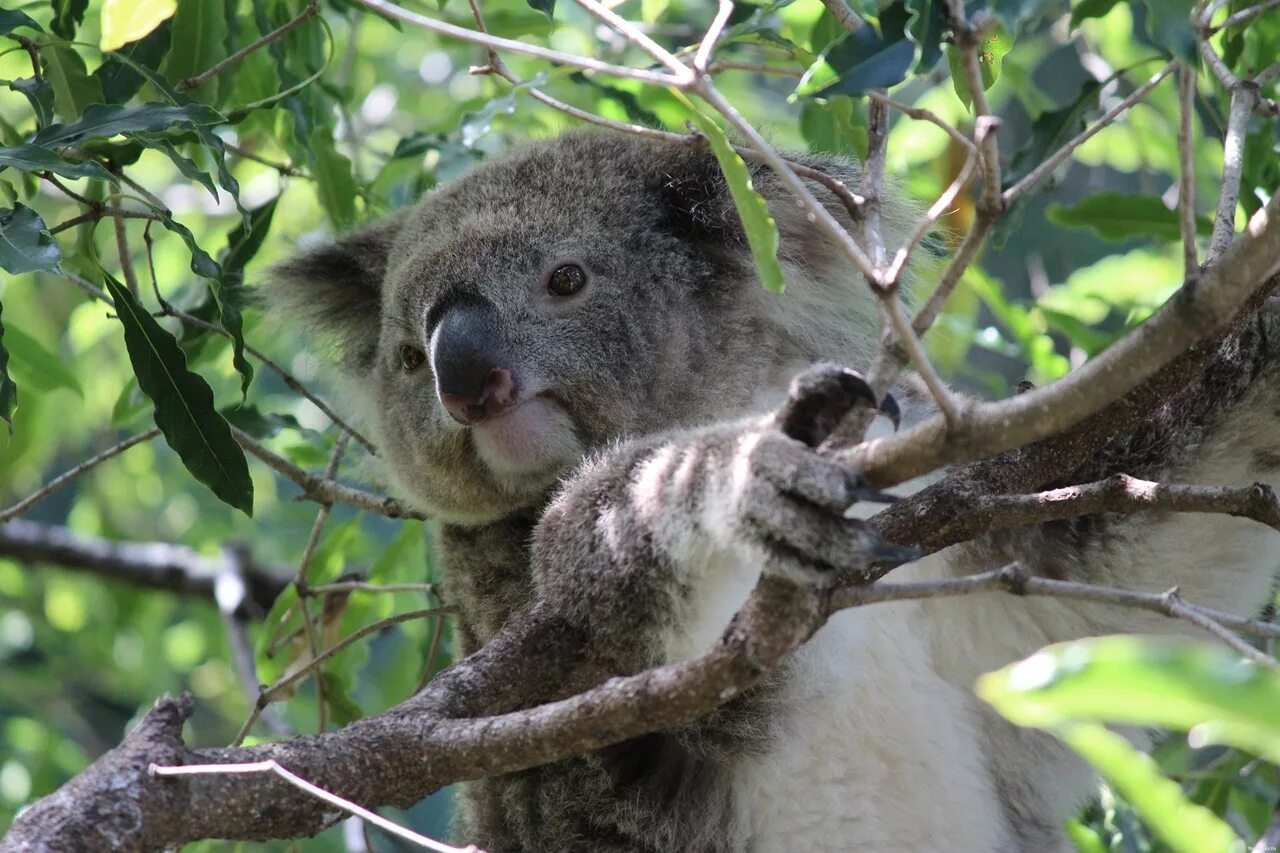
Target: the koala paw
(794, 501)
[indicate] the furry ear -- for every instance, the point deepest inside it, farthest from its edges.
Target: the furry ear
(335, 290)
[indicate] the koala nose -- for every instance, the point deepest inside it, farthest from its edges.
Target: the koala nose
(467, 357)
(497, 394)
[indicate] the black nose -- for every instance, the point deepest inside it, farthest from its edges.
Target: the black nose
(469, 360)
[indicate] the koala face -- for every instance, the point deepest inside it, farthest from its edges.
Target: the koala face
(579, 291)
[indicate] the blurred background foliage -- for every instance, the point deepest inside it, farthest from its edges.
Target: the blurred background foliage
(348, 117)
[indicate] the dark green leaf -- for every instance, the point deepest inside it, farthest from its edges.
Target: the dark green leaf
(244, 242)
(863, 60)
(39, 93)
(25, 243)
(1051, 130)
(11, 19)
(546, 7)
(8, 390)
(185, 165)
(107, 120)
(184, 408)
(119, 80)
(1119, 216)
(33, 158)
(67, 15)
(129, 404)
(1016, 14)
(761, 230)
(1090, 9)
(1169, 27)
(196, 44)
(929, 23)
(251, 420)
(636, 111)
(335, 184)
(73, 89)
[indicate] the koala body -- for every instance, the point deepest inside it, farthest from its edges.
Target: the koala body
(567, 358)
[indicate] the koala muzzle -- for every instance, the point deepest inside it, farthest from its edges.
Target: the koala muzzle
(469, 360)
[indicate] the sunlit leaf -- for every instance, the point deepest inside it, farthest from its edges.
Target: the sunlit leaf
(1118, 216)
(991, 52)
(184, 407)
(25, 243)
(761, 230)
(125, 21)
(863, 60)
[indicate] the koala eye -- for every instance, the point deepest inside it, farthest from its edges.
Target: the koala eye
(566, 280)
(411, 358)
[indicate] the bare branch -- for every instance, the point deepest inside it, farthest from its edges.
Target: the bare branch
(1243, 99)
(390, 10)
(1201, 306)
(270, 766)
(72, 473)
(1187, 168)
(1244, 16)
(708, 45)
(682, 75)
(967, 41)
(1056, 158)
(322, 489)
(924, 115)
(153, 565)
(844, 15)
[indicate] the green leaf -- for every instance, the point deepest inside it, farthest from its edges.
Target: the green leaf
(863, 60)
(73, 89)
(40, 368)
(929, 23)
(8, 390)
(107, 120)
(1184, 826)
(546, 7)
(253, 421)
(761, 230)
(1116, 217)
(244, 241)
(335, 184)
(185, 165)
(1091, 9)
(25, 243)
(130, 403)
(34, 158)
(67, 15)
(1169, 27)
(184, 407)
(1174, 683)
(11, 19)
(125, 21)
(991, 52)
(196, 44)
(39, 93)
(120, 81)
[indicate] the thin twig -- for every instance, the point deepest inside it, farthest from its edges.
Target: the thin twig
(1219, 68)
(282, 168)
(755, 67)
(1243, 98)
(844, 15)
(324, 490)
(122, 249)
(708, 44)
(437, 634)
(636, 36)
(967, 40)
(873, 186)
(923, 115)
(1244, 16)
(365, 586)
(298, 20)
(271, 766)
(906, 338)
(398, 13)
(101, 212)
(1056, 158)
(951, 276)
(1187, 168)
(72, 473)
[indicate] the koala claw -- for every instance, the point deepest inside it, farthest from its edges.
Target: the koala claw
(822, 396)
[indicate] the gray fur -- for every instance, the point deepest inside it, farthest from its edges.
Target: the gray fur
(662, 479)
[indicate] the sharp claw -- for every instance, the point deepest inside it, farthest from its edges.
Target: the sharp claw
(889, 408)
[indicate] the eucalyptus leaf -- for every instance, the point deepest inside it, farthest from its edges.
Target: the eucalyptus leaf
(120, 81)
(8, 390)
(39, 93)
(1119, 216)
(865, 59)
(25, 243)
(11, 19)
(73, 89)
(335, 183)
(67, 16)
(40, 368)
(34, 158)
(761, 230)
(196, 44)
(127, 21)
(184, 407)
(107, 120)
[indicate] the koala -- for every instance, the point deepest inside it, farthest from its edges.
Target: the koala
(567, 358)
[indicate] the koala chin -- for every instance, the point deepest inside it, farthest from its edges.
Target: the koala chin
(566, 357)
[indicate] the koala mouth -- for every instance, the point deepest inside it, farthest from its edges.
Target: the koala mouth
(532, 440)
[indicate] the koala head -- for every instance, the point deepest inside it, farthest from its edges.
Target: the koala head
(572, 293)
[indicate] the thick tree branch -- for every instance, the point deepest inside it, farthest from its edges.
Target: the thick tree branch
(155, 565)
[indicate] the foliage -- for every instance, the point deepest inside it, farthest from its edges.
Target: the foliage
(345, 118)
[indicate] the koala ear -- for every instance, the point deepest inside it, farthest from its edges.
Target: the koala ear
(335, 290)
